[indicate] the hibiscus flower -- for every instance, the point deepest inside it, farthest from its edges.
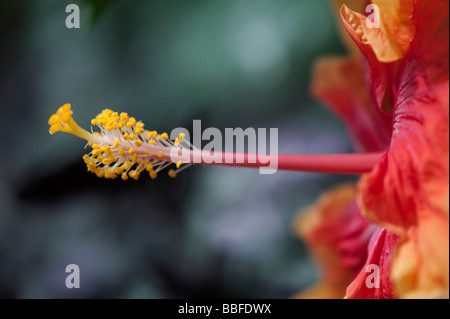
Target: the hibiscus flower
(393, 94)
(398, 89)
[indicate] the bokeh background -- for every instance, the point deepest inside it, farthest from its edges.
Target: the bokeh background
(213, 231)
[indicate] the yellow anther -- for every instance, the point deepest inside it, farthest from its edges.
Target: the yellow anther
(131, 150)
(86, 158)
(147, 152)
(125, 136)
(54, 119)
(127, 165)
(124, 176)
(138, 143)
(138, 131)
(109, 174)
(121, 124)
(153, 174)
(149, 167)
(179, 164)
(112, 159)
(134, 174)
(94, 122)
(177, 141)
(106, 161)
(95, 146)
(96, 152)
(54, 128)
(160, 154)
(152, 141)
(131, 137)
(124, 117)
(99, 172)
(134, 158)
(118, 170)
(109, 152)
(116, 143)
(139, 128)
(172, 173)
(181, 136)
(104, 148)
(152, 134)
(131, 122)
(121, 152)
(100, 158)
(164, 136)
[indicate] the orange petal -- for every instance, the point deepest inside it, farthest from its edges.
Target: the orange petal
(337, 236)
(356, 5)
(421, 264)
(390, 40)
(339, 84)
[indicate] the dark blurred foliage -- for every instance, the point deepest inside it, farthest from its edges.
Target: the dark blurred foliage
(97, 7)
(212, 232)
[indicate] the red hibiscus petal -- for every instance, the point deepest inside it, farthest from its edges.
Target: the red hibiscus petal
(409, 189)
(337, 236)
(339, 84)
(373, 281)
(414, 174)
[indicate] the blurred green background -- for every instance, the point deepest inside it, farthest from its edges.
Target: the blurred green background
(213, 231)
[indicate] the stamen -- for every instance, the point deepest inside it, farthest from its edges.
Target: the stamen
(123, 148)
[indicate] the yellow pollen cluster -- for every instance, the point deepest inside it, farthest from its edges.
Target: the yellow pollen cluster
(122, 148)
